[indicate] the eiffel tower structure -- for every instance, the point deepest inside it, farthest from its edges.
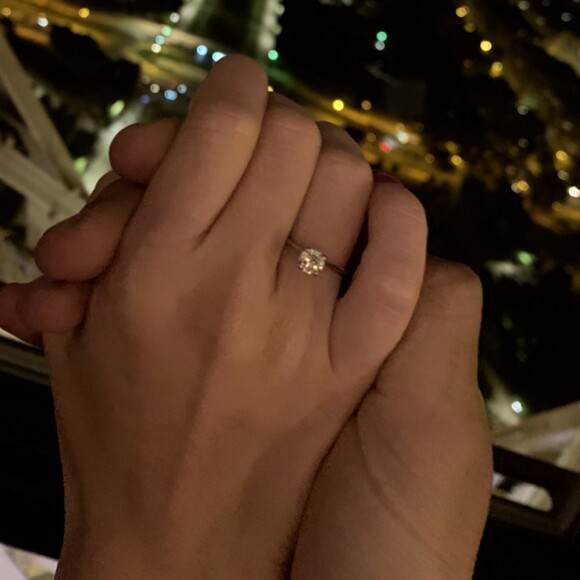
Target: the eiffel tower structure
(248, 27)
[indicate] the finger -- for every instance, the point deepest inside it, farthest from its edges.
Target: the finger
(444, 334)
(333, 211)
(208, 157)
(137, 151)
(371, 318)
(53, 307)
(102, 184)
(267, 201)
(10, 318)
(28, 310)
(82, 247)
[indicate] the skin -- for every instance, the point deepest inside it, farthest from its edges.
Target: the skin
(341, 462)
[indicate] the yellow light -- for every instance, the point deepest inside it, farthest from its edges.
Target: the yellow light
(486, 45)
(562, 156)
(469, 27)
(270, 89)
(496, 69)
(457, 160)
(156, 48)
(6, 11)
(366, 105)
(338, 105)
(371, 137)
(462, 11)
(523, 186)
(84, 12)
(452, 147)
(371, 157)
(403, 137)
(430, 158)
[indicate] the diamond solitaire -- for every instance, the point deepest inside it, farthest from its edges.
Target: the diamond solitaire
(312, 262)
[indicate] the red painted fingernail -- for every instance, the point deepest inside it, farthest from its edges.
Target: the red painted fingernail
(384, 177)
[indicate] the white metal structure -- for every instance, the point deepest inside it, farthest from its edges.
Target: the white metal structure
(552, 436)
(44, 174)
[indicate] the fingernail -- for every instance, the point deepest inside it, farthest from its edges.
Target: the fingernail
(384, 177)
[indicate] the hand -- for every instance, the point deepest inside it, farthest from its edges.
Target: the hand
(425, 506)
(210, 376)
(405, 490)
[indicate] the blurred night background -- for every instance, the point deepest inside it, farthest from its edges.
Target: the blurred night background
(474, 104)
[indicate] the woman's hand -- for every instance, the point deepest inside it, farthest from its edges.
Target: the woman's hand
(404, 491)
(210, 376)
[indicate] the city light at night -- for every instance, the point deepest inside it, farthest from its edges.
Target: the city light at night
(338, 105)
(486, 45)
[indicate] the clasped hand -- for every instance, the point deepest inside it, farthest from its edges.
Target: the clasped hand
(222, 415)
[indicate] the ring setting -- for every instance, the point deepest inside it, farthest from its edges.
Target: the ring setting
(313, 262)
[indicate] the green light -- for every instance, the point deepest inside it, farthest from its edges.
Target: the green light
(166, 31)
(526, 258)
(382, 36)
(81, 165)
(507, 323)
(116, 108)
(273, 54)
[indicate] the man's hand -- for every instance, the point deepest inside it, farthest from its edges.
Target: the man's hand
(404, 492)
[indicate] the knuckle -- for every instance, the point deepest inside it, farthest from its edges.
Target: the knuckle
(277, 100)
(412, 207)
(460, 283)
(295, 123)
(349, 163)
(406, 207)
(397, 301)
(224, 116)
